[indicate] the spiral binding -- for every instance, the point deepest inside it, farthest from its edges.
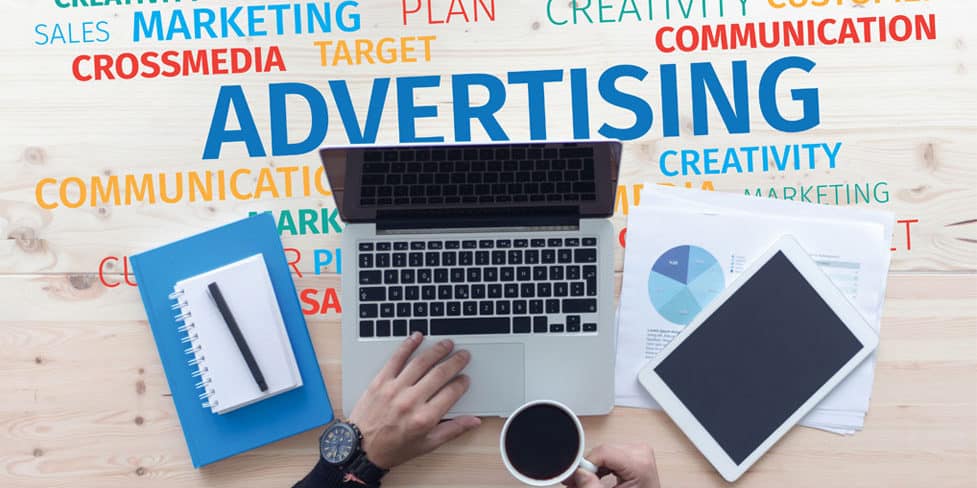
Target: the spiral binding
(199, 360)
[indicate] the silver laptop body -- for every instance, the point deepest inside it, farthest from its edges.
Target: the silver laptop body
(504, 248)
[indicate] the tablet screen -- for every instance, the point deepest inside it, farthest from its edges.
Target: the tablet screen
(758, 358)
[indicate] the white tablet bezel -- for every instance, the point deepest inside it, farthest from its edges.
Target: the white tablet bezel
(692, 428)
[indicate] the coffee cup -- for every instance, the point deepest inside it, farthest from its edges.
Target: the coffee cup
(542, 443)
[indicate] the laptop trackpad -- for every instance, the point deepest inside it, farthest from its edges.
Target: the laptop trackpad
(498, 385)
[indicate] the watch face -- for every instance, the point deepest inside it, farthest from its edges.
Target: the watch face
(338, 443)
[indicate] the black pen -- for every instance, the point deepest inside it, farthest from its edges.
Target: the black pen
(242, 344)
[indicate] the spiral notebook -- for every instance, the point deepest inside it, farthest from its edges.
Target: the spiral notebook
(225, 380)
(228, 253)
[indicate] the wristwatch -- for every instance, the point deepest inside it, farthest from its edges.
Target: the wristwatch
(341, 446)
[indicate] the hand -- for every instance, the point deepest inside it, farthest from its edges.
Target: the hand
(632, 464)
(400, 413)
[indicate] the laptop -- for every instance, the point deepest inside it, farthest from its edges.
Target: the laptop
(504, 248)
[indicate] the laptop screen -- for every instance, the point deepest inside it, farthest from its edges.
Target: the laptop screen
(369, 183)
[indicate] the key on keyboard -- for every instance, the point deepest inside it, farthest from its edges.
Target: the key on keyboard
(477, 287)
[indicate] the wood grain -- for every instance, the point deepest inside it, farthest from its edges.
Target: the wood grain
(84, 400)
(86, 404)
(903, 111)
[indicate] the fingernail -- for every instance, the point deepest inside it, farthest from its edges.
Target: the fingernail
(414, 336)
(464, 354)
(447, 343)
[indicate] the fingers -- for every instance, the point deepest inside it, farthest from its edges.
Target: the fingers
(396, 363)
(628, 462)
(614, 459)
(441, 374)
(448, 430)
(583, 479)
(446, 397)
(420, 365)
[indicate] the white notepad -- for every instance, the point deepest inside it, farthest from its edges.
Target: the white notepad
(225, 381)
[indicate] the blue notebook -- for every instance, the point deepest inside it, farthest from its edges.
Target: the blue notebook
(212, 437)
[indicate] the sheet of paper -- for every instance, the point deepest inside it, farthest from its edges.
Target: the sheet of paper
(723, 233)
(682, 199)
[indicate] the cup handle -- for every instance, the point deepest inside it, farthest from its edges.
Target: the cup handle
(587, 466)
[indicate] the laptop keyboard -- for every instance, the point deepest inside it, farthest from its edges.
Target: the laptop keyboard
(484, 286)
(478, 174)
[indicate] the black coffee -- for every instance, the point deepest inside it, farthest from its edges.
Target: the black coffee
(542, 442)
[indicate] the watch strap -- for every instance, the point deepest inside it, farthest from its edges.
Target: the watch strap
(363, 470)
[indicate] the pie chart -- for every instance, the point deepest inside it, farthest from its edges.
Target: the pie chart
(683, 281)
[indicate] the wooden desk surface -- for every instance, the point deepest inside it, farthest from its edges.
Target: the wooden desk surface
(83, 399)
(86, 404)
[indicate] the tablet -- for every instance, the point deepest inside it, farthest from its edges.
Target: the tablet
(758, 358)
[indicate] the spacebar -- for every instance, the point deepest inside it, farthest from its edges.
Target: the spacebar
(463, 326)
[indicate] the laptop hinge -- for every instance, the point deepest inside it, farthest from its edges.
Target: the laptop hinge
(512, 217)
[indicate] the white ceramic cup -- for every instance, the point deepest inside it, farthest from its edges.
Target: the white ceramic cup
(579, 463)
